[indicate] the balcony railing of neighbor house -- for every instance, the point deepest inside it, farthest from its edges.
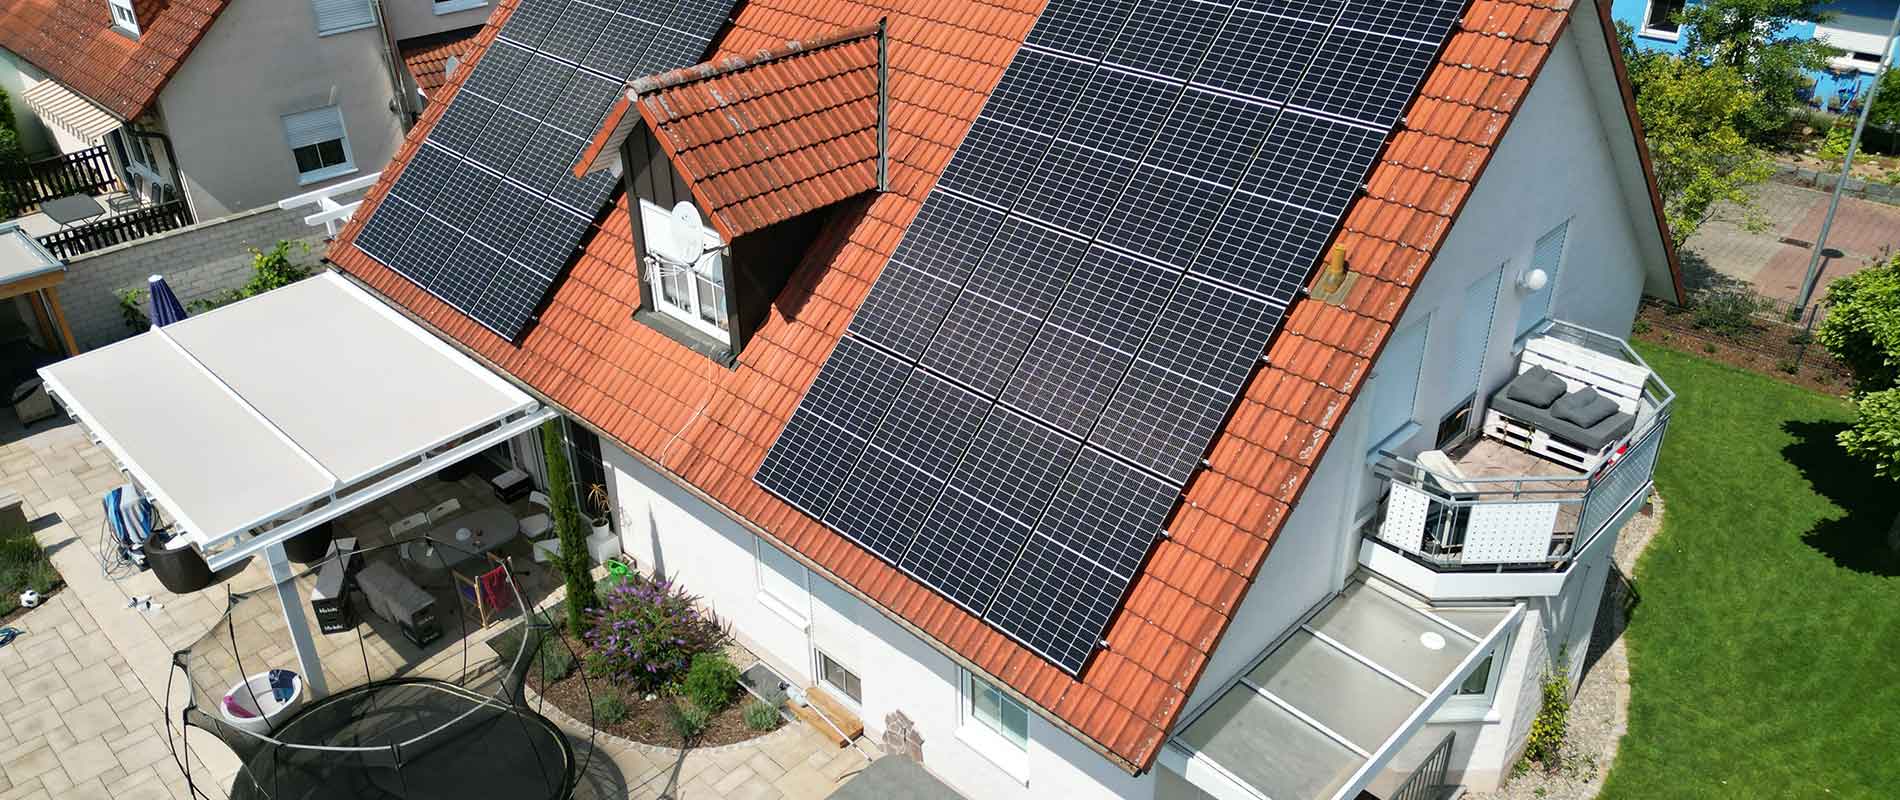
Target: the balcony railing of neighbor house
(1449, 520)
(1428, 781)
(332, 212)
(87, 171)
(135, 224)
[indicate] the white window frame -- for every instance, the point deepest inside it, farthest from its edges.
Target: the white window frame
(320, 174)
(124, 17)
(1658, 33)
(989, 741)
(713, 260)
(1868, 39)
(366, 18)
(839, 692)
(794, 610)
(1481, 707)
(452, 6)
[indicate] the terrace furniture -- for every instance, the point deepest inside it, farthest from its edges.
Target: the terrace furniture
(545, 549)
(535, 526)
(1569, 404)
(442, 510)
(31, 403)
(1445, 472)
(72, 209)
(496, 526)
(180, 568)
(395, 598)
(512, 485)
(491, 592)
(311, 545)
(407, 524)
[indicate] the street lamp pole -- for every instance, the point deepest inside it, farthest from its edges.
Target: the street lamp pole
(1834, 204)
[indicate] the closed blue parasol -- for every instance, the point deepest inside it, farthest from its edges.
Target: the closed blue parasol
(165, 306)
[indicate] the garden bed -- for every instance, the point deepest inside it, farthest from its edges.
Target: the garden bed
(646, 721)
(23, 566)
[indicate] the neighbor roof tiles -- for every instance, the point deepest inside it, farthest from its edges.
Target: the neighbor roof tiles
(75, 43)
(710, 427)
(427, 57)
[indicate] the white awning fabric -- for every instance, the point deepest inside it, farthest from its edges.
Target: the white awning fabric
(1324, 711)
(69, 110)
(270, 411)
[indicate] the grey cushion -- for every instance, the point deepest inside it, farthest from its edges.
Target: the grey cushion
(1535, 387)
(1583, 408)
(1593, 438)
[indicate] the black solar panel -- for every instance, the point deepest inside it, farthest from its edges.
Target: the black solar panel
(1106, 258)
(488, 214)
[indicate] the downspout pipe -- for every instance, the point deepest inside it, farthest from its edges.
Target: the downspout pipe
(401, 104)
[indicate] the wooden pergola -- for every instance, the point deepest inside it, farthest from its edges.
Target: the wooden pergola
(28, 269)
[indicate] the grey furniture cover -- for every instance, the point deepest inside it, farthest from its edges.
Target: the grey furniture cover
(1593, 438)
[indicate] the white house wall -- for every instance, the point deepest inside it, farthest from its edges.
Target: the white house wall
(665, 528)
(411, 18)
(259, 61)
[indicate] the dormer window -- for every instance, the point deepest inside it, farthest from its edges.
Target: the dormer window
(683, 263)
(727, 195)
(124, 18)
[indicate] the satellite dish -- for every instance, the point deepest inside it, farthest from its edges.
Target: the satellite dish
(689, 238)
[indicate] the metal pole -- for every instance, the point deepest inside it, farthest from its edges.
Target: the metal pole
(300, 639)
(1834, 204)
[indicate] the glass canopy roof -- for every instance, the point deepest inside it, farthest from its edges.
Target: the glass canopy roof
(1326, 706)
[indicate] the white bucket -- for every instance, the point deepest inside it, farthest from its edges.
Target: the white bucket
(254, 695)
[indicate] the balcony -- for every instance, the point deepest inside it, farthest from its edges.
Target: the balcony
(1509, 510)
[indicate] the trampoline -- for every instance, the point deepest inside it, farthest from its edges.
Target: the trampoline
(389, 718)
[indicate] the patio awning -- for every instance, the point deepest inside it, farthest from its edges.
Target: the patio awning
(75, 114)
(1324, 710)
(261, 419)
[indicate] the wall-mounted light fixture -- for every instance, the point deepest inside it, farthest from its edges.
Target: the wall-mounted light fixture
(1531, 280)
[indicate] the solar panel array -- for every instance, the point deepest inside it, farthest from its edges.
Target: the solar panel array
(487, 214)
(1049, 352)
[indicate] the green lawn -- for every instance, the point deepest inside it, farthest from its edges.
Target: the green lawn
(1765, 646)
(23, 566)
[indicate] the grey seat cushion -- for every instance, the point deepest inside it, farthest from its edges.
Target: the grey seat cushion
(1592, 438)
(1583, 408)
(1535, 387)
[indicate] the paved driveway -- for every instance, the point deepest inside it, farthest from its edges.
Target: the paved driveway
(1725, 250)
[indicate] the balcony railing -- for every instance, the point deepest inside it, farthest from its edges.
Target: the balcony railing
(117, 229)
(87, 171)
(1455, 522)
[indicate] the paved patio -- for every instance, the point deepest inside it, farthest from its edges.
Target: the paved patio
(83, 688)
(1724, 250)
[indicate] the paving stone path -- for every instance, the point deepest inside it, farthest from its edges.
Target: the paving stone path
(1724, 250)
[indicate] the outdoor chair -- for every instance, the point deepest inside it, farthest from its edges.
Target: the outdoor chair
(535, 526)
(444, 510)
(407, 524)
(511, 485)
(489, 593)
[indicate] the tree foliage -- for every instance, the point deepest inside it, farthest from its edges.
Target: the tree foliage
(1886, 110)
(1758, 40)
(1862, 329)
(565, 509)
(1693, 116)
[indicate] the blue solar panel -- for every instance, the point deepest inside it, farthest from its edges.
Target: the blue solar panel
(1106, 259)
(511, 135)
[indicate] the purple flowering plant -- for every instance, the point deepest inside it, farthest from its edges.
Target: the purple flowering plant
(647, 632)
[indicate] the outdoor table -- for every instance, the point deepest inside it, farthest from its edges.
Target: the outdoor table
(498, 526)
(72, 209)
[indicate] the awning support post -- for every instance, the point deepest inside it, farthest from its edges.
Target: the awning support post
(308, 663)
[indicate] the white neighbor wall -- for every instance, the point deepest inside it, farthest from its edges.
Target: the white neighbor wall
(224, 108)
(1607, 260)
(663, 527)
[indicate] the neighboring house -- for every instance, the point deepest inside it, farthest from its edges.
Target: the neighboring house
(1858, 30)
(225, 106)
(432, 59)
(1356, 586)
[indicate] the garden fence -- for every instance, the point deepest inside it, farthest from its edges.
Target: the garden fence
(1746, 320)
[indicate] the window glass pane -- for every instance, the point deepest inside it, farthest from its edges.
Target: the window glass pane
(843, 679)
(1480, 679)
(331, 152)
(712, 302)
(1015, 721)
(307, 158)
(985, 705)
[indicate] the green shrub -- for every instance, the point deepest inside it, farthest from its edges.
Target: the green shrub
(761, 716)
(1552, 723)
(689, 720)
(1639, 327)
(649, 631)
(132, 310)
(595, 665)
(1730, 314)
(573, 561)
(610, 707)
(553, 659)
(711, 680)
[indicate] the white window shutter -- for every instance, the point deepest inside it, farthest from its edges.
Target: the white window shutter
(1549, 257)
(311, 127)
(337, 16)
(1474, 326)
(1395, 379)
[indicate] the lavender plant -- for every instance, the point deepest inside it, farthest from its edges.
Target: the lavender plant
(647, 632)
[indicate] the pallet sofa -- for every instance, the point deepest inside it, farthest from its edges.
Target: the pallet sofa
(1568, 403)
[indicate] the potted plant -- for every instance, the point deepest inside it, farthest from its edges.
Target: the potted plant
(599, 509)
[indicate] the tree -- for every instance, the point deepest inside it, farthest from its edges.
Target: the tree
(1886, 110)
(1756, 39)
(573, 560)
(1862, 329)
(1692, 116)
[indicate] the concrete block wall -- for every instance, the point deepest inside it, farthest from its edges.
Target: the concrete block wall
(198, 261)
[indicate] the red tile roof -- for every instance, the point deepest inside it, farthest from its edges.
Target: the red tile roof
(427, 57)
(75, 43)
(709, 427)
(765, 137)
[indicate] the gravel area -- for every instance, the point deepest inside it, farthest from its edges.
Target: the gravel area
(1599, 714)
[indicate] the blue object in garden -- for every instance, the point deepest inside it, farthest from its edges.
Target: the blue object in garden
(165, 306)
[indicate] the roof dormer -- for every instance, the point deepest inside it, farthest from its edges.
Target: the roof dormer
(732, 167)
